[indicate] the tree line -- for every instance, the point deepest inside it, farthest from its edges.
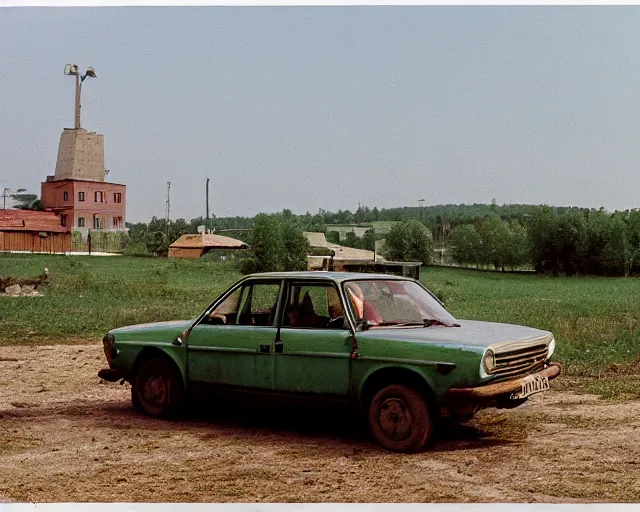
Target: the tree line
(565, 240)
(573, 241)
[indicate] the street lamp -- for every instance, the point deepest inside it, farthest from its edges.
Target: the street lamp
(72, 69)
(420, 203)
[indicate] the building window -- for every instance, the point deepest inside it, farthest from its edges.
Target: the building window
(96, 222)
(81, 197)
(80, 222)
(98, 196)
(117, 197)
(117, 222)
(63, 219)
(65, 196)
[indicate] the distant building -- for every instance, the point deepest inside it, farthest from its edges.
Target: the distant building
(78, 191)
(329, 256)
(325, 251)
(194, 246)
(33, 231)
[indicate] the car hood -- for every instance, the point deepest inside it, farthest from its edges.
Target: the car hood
(470, 334)
(174, 327)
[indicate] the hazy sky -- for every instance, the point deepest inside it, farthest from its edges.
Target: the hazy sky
(306, 108)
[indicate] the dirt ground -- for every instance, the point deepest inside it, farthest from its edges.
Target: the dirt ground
(67, 437)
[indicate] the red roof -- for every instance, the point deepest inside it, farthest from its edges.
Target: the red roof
(208, 240)
(30, 220)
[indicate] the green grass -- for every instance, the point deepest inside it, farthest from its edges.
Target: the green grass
(596, 321)
(89, 295)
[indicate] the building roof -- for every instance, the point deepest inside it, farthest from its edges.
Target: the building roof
(83, 180)
(341, 252)
(205, 240)
(30, 220)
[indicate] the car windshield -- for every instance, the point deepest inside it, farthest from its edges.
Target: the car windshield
(393, 302)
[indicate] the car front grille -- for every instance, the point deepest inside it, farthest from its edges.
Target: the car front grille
(516, 363)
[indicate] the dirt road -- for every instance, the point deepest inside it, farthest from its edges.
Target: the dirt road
(64, 436)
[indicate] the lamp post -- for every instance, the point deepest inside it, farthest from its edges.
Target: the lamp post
(72, 69)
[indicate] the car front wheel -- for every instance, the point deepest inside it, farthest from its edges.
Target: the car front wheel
(157, 388)
(400, 419)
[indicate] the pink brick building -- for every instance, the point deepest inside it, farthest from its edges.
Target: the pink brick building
(78, 191)
(86, 204)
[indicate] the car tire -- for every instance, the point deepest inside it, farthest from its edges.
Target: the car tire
(157, 388)
(400, 419)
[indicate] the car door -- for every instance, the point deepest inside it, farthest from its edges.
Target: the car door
(313, 353)
(233, 344)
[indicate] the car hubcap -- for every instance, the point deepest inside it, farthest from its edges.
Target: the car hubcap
(155, 390)
(395, 419)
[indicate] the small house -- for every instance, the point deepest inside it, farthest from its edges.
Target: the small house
(33, 231)
(195, 245)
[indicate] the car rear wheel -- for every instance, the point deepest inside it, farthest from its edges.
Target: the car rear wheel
(157, 388)
(400, 419)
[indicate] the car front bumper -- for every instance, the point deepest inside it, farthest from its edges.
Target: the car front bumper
(112, 374)
(500, 390)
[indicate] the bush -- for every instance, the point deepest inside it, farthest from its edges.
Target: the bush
(409, 241)
(276, 244)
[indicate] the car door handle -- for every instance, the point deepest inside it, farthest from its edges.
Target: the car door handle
(265, 349)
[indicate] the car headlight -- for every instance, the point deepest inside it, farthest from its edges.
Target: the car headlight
(552, 347)
(489, 361)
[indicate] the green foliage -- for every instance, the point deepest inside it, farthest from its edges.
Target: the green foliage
(585, 242)
(466, 244)
(88, 295)
(27, 201)
(333, 237)
(566, 241)
(156, 243)
(276, 244)
(296, 245)
(504, 244)
(409, 241)
(368, 240)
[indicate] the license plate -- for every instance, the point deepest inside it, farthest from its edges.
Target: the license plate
(532, 384)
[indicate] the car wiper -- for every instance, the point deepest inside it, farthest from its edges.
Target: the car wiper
(426, 322)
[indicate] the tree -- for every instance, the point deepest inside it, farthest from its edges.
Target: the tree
(27, 201)
(409, 241)
(296, 245)
(368, 240)
(466, 245)
(156, 242)
(276, 243)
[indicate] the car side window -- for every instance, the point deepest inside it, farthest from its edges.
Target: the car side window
(314, 305)
(251, 304)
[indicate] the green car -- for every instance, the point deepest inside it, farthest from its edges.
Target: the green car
(379, 343)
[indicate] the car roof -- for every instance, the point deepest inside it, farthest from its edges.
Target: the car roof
(324, 274)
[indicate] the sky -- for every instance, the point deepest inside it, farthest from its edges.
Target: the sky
(330, 107)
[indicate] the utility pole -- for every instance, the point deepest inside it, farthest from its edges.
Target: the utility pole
(420, 203)
(442, 245)
(166, 213)
(207, 228)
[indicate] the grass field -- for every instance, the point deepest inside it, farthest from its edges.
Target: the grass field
(596, 321)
